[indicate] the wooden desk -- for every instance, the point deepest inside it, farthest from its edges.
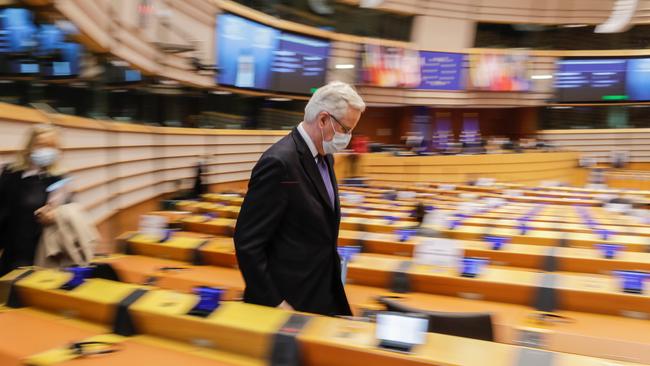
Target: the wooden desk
(331, 341)
(218, 226)
(25, 332)
(178, 247)
(229, 199)
(372, 225)
(591, 261)
(495, 284)
(584, 260)
(94, 300)
(234, 327)
(575, 292)
(548, 237)
(599, 294)
(587, 334)
(134, 351)
(546, 225)
(183, 278)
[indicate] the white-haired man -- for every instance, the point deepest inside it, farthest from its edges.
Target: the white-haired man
(287, 229)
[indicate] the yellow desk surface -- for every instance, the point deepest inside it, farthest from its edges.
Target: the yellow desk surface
(599, 294)
(94, 300)
(219, 252)
(496, 284)
(545, 225)
(178, 247)
(25, 332)
(182, 277)
(143, 350)
(218, 226)
(233, 327)
(576, 292)
(584, 260)
(548, 237)
(331, 341)
(587, 334)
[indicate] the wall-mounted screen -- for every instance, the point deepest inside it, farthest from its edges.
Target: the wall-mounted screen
(256, 56)
(390, 67)
(638, 79)
(441, 71)
(591, 80)
(245, 52)
(32, 49)
(499, 72)
(299, 64)
(17, 30)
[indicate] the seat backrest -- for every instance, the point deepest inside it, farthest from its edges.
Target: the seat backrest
(469, 325)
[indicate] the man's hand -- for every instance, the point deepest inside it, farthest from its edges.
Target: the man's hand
(285, 306)
(45, 215)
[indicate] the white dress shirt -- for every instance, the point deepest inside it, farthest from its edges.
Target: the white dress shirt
(308, 141)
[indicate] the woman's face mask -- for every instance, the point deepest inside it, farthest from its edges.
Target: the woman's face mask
(44, 157)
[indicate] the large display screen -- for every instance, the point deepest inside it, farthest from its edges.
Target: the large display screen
(31, 49)
(253, 55)
(390, 67)
(441, 71)
(299, 64)
(245, 52)
(17, 30)
(591, 80)
(603, 80)
(638, 79)
(496, 72)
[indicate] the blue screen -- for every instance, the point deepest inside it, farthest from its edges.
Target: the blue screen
(590, 80)
(638, 79)
(245, 52)
(132, 75)
(441, 71)
(17, 30)
(253, 55)
(299, 64)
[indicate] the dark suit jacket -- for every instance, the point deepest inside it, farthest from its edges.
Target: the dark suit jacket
(287, 232)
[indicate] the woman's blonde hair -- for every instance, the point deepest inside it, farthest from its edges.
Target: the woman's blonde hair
(23, 158)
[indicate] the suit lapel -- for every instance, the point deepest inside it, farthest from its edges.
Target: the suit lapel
(308, 163)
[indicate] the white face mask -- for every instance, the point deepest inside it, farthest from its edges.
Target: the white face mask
(44, 157)
(338, 143)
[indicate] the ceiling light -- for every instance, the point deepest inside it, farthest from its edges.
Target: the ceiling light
(542, 77)
(221, 92)
(344, 66)
(119, 63)
(278, 99)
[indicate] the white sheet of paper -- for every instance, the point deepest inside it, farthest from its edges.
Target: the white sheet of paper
(153, 225)
(439, 252)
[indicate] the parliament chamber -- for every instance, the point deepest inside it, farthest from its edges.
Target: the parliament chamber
(198, 182)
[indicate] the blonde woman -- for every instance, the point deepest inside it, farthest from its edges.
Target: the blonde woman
(23, 197)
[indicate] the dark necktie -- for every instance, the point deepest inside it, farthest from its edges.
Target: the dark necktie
(324, 173)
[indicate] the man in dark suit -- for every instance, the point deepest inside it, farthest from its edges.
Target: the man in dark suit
(287, 231)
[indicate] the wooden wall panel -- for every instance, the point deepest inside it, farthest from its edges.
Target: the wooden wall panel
(507, 11)
(529, 168)
(116, 165)
(600, 143)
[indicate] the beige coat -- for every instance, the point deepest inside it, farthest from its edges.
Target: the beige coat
(70, 240)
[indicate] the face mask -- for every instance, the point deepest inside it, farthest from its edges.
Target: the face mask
(44, 157)
(338, 143)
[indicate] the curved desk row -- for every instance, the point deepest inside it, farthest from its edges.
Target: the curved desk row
(236, 333)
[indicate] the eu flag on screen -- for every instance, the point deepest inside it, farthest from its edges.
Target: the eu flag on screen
(441, 71)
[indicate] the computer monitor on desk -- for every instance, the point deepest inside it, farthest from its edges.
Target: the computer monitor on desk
(400, 332)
